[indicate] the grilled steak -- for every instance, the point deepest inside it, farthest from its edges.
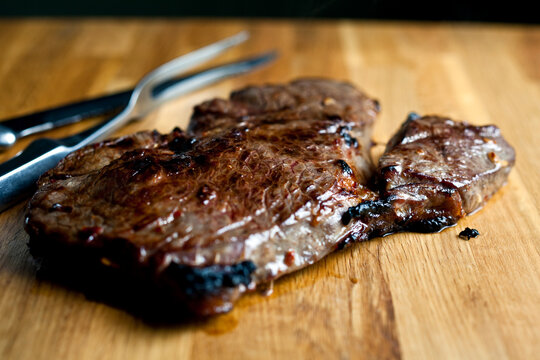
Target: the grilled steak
(433, 172)
(260, 185)
(255, 189)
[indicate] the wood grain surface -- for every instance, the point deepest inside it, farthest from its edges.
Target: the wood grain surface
(411, 296)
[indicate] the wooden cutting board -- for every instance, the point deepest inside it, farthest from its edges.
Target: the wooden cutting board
(412, 296)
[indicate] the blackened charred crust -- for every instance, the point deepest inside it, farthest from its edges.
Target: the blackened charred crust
(181, 144)
(469, 233)
(431, 225)
(140, 165)
(345, 167)
(351, 239)
(366, 210)
(344, 243)
(200, 282)
(334, 117)
(349, 140)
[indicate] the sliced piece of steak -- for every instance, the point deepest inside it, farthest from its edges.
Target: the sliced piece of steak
(433, 172)
(256, 189)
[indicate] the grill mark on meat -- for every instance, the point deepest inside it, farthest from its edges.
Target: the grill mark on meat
(206, 215)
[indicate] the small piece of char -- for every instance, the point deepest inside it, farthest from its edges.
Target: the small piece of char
(468, 233)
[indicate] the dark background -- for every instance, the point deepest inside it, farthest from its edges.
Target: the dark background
(519, 11)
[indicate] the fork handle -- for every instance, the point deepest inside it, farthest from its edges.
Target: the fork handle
(18, 176)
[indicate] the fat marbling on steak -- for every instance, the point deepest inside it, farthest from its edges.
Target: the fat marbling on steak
(260, 185)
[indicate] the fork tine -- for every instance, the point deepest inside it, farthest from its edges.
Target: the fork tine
(198, 80)
(142, 100)
(192, 59)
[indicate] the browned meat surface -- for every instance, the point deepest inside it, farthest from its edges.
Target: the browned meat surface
(261, 185)
(473, 160)
(256, 190)
(433, 172)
